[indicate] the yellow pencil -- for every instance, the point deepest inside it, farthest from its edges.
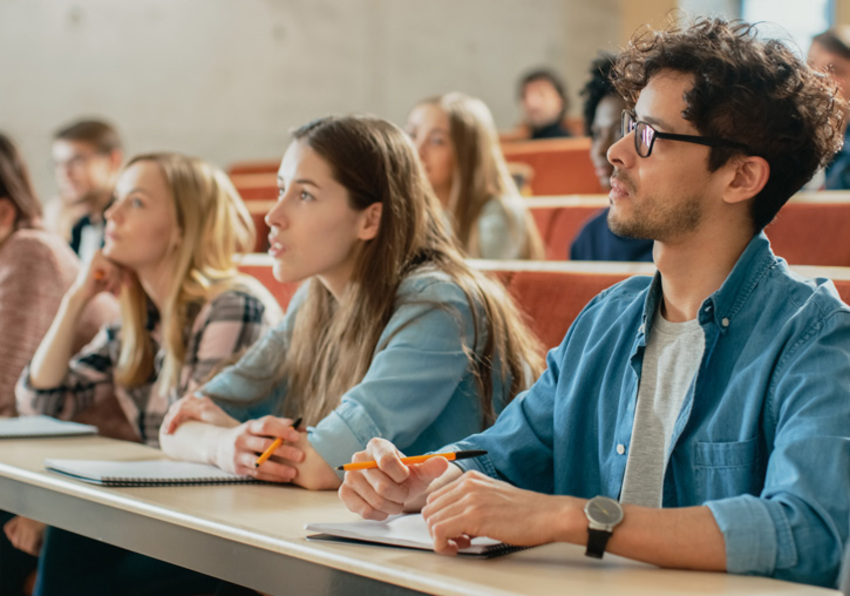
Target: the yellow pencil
(416, 459)
(275, 444)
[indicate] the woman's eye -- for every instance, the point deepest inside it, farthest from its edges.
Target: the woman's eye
(306, 196)
(136, 203)
(281, 192)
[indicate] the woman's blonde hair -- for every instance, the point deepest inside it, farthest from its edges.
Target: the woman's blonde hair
(481, 174)
(214, 226)
(333, 342)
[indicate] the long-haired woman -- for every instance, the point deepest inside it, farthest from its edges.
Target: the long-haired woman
(172, 236)
(458, 144)
(36, 268)
(391, 334)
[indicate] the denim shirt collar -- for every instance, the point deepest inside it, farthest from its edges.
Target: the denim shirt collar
(722, 306)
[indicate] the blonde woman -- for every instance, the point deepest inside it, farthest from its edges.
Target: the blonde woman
(459, 147)
(392, 334)
(172, 235)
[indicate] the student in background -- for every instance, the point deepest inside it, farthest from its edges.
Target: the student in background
(172, 235)
(391, 333)
(687, 419)
(603, 107)
(543, 97)
(36, 268)
(458, 145)
(87, 157)
(830, 52)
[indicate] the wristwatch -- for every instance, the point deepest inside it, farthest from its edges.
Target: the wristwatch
(603, 514)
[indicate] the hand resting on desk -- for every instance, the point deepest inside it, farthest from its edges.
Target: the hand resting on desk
(456, 506)
(196, 429)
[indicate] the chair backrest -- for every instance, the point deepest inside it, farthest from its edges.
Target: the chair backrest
(559, 220)
(551, 294)
(561, 166)
(812, 230)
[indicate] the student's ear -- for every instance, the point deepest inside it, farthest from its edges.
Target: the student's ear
(8, 213)
(371, 221)
(116, 159)
(749, 176)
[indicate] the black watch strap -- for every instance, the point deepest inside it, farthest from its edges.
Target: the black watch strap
(596, 541)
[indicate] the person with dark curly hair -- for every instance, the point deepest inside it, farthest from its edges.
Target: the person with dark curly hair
(602, 108)
(697, 419)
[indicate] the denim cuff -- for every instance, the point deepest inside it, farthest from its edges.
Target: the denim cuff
(342, 433)
(750, 533)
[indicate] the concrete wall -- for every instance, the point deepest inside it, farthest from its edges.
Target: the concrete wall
(225, 80)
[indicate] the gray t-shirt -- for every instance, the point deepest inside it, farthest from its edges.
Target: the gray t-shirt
(673, 354)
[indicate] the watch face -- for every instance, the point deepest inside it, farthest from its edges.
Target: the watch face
(604, 511)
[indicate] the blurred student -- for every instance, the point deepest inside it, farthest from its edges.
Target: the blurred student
(830, 53)
(36, 268)
(459, 147)
(391, 333)
(87, 156)
(544, 102)
(172, 235)
(602, 109)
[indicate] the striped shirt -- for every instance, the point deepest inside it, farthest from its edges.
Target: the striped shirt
(223, 327)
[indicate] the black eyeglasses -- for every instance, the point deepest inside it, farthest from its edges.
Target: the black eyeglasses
(645, 136)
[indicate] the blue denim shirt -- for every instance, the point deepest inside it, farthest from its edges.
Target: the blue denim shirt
(419, 391)
(762, 436)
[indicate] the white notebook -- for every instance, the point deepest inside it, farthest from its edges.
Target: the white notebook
(155, 472)
(408, 531)
(26, 427)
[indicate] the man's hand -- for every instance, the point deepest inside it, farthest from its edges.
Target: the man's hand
(392, 487)
(477, 505)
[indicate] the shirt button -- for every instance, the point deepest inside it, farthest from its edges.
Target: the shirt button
(725, 322)
(642, 328)
(621, 449)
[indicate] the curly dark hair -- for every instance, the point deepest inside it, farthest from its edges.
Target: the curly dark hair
(753, 91)
(597, 88)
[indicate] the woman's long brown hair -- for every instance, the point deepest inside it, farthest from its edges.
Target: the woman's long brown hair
(333, 343)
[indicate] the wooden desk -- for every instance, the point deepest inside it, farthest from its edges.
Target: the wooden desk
(252, 535)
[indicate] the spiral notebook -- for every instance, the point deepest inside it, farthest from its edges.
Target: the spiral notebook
(32, 427)
(406, 531)
(156, 472)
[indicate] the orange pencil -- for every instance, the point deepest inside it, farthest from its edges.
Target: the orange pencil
(275, 444)
(416, 459)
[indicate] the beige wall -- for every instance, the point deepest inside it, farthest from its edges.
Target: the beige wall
(635, 14)
(842, 12)
(225, 80)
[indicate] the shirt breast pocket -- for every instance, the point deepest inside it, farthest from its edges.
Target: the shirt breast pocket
(728, 469)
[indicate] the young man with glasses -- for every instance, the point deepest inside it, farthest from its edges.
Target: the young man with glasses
(698, 419)
(87, 156)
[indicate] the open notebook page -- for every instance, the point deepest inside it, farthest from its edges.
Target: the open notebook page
(408, 531)
(156, 472)
(24, 427)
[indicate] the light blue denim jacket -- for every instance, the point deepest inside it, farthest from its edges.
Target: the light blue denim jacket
(762, 437)
(419, 391)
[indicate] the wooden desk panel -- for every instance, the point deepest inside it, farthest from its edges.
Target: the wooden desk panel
(252, 535)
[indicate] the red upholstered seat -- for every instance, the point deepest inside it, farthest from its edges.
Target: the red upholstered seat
(811, 232)
(553, 299)
(560, 166)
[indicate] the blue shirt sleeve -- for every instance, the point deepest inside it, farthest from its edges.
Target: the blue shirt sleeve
(250, 388)
(796, 528)
(419, 366)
